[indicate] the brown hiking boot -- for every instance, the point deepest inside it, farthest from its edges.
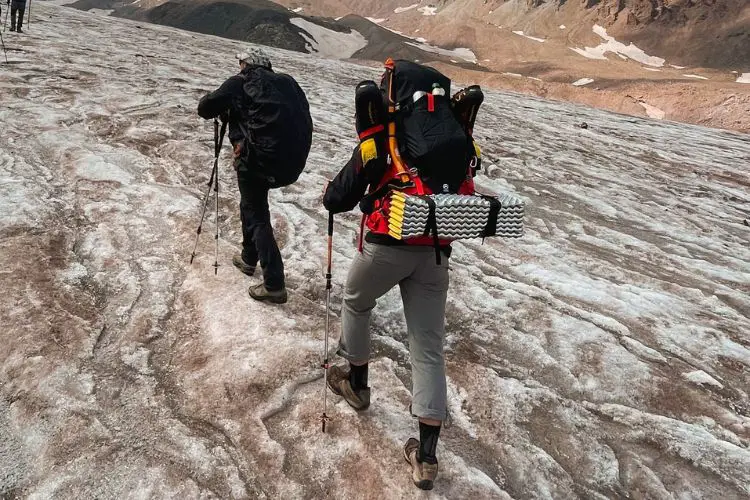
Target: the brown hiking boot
(261, 293)
(240, 264)
(338, 382)
(423, 474)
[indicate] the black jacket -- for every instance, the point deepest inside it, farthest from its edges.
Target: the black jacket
(226, 101)
(346, 190)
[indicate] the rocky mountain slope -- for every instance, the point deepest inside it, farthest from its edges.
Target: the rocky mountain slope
(704, 33)
(268, 23)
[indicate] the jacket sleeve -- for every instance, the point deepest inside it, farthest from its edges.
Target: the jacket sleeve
(348, 187)
(220, 101)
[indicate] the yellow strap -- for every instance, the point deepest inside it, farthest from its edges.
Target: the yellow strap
(369, 150)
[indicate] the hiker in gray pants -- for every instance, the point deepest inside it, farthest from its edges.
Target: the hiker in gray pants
(383, 263)
(424, 290)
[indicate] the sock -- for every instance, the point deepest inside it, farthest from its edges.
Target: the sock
(358, 376)
(428, 439)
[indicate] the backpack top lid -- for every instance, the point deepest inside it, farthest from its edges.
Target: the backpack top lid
(410, 77)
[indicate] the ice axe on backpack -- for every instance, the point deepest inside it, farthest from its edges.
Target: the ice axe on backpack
(213, 181)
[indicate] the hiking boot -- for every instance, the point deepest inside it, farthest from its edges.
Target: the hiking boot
(13, 28)
(240, 264)
(19, 30)
(338, 382)
(261, 293)
(422, 473)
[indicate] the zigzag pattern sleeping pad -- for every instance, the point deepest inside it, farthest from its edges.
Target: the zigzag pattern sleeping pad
(458, 216)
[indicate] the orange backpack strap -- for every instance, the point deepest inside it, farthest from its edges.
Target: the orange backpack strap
(392, 143)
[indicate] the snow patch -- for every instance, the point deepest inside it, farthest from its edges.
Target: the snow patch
(514, 75)
(702, 378)
(562, 27)
(678, 67)
(328, 43)
(619, 48)
(521, 33)
(653, 111)
(583, 81)
(399, 10)
(428, 11)
(697, 77)
(299, 9)
(376, 20)
(651, 69)
(745, 78)
(461, 52)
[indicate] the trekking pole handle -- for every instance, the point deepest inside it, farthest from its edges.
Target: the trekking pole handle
(330, 250)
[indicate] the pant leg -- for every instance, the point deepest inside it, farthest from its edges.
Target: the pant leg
(258, 242)
(21, 11)
(373, 273)
(424, 294)
(13, 11)
(249, 252)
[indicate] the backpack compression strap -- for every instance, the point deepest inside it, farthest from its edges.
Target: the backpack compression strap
(431, 228)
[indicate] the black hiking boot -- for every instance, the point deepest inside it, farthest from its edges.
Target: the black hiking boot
(261, 293)
(240, 264)
(338, 382)
(13, 28)
(422, 473)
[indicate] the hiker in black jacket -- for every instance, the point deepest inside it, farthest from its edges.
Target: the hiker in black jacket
(17, 7)
(250, 102)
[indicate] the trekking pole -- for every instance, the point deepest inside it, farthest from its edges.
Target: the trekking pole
(5, 24)
(324, 418)
(28, 19)
(4, 51)
(214, 175)
(216, 193)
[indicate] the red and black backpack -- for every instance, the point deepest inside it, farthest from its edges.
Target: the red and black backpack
(412, 130)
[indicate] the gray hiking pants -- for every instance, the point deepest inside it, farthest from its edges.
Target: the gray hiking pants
(424, 290)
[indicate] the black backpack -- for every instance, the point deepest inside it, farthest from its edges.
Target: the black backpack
(430, 137)
(277, 125)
